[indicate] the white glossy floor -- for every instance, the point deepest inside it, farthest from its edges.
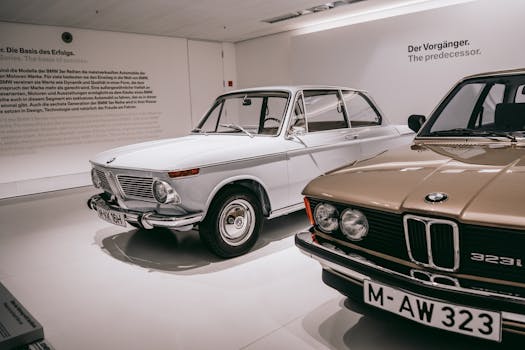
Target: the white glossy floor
(97, 286)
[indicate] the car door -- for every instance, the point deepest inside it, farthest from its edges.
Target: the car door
(368, 126)
(322, 135)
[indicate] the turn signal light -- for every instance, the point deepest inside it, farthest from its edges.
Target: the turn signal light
(309, 211)
(181, 173)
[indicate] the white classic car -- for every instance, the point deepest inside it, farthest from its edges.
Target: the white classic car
(248, 159)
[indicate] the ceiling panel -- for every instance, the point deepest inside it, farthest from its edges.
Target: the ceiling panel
(225, 20)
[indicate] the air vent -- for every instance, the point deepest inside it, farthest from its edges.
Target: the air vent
(282, 17)
(315, 9)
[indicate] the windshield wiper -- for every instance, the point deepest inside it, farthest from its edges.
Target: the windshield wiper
(512, 138)
(237, 127)
(472, 132)
(454, 132)
(199, 130)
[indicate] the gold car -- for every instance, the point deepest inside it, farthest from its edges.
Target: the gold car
(435, 231)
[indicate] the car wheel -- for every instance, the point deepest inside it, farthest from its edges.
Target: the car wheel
(233, 222)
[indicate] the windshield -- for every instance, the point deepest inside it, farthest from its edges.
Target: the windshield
(251, 113)
(488, 107)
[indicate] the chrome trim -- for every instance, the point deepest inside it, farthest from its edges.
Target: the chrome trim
(428, 222)
(172, 197)
(306, 238)
(432, 277)
(113, 183)
(148, 220)
(201, 166)
(286, 210)
(513, 317)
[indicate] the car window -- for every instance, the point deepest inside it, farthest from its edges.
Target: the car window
(488, 111)
(458, 111)
(253, 113)
(324, 110)
(298, 120)
(240, 112)
(520, 94)
(360, 111)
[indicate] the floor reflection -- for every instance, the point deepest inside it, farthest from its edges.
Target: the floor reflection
(159, 249)
(184, 253)
(356, 326)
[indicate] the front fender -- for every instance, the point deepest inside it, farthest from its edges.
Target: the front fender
(233, 180)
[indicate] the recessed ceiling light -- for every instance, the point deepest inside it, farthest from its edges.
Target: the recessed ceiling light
(314, 9)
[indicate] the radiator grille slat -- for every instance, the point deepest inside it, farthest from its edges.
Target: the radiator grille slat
(103, 181)
(418, 241)
(442, 243)
(136, 187)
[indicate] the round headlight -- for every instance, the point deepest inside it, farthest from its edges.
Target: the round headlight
(326, 217)
(354, 224)
(95, 178)
(164, 193)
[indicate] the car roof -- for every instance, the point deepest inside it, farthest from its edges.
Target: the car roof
(497, 73)
(292, 88)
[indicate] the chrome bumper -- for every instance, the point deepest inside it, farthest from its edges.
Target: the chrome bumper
(147, 220)
(327, 257)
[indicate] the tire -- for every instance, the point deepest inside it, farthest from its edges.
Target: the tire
(233, 222)
(134, 225)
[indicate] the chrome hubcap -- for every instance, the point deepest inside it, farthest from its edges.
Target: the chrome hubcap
(236, 222)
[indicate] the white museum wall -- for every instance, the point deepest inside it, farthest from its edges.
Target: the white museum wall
(102, 90)
(375, 55)
(206, 72)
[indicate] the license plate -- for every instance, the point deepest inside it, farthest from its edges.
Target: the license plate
(456, 318)
(112, 216)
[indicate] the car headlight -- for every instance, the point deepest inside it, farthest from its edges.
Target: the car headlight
(97, 182)
(327, 217)
(353, 224)
(164, 193)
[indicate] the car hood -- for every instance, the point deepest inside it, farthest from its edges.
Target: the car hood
(190, 151)
(483, 182)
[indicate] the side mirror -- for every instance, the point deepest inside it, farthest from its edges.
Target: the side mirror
(296, 131)
(415, 121)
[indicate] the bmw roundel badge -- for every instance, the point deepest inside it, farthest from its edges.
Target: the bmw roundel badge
(436, 197)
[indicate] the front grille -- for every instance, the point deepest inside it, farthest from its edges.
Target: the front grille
(432, 242)
(136, 187)
(447, 246)
(103, 180)
(503, 252)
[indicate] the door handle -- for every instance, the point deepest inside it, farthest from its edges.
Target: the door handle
(351, 137)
